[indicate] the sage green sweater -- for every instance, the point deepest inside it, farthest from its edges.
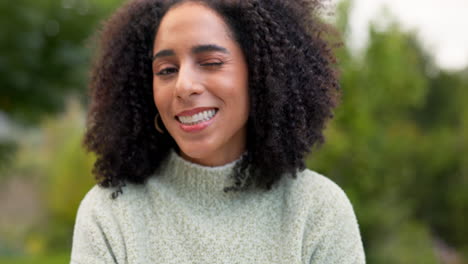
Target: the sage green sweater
(182, 215)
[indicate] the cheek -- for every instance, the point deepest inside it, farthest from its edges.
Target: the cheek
(155, 97)
(234, 88)
(239, 95)
(159, 98)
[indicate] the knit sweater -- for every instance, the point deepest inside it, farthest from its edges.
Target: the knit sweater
(182, 215)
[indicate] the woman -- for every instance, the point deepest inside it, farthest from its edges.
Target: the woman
(202, 113)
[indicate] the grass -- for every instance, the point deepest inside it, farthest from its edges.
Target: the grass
(50, 259)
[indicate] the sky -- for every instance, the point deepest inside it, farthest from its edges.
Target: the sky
(441, 26)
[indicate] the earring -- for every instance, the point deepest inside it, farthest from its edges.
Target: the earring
(156, 125)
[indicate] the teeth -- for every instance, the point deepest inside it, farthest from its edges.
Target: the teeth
(197, 118)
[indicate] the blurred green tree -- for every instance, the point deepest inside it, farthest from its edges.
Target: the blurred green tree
(55, 164)
(45, 48)
(398, 146)
(67, 175)
(44, 53)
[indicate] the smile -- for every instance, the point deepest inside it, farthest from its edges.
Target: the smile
(197, 118)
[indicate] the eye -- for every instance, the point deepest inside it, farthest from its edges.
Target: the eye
(212, 63)
(167, 71)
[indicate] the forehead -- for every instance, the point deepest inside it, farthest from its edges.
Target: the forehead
(191, 22)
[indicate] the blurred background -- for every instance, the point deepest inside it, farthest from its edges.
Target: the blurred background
(398, 145)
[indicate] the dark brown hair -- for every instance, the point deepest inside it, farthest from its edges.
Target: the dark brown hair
(292, 85)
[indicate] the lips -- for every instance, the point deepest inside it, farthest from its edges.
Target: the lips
(196, 119)
(194, 111)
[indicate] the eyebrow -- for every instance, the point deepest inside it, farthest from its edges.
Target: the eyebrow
(195, 50)
(163, 53)
(209, 47)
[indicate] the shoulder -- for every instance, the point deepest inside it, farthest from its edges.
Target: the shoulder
(316, 189)
(331, 231)
(98, 232)
(99, 201)
(318, 197)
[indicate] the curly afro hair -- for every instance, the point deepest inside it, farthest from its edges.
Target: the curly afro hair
(293, 88)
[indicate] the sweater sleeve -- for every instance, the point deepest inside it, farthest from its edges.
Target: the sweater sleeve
(93, 240)
(332, 232)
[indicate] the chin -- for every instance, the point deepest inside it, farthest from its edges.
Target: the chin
(194, 152)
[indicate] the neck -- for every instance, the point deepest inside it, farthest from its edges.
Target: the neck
(213, 160)
(194, 181)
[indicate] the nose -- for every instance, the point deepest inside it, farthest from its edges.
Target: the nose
(188, 83)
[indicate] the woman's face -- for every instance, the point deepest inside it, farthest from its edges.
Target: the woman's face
(200, 84)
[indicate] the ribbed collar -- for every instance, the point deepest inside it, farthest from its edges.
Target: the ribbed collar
(194, 181)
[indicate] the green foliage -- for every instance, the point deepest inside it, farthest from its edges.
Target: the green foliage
(45, 48)
(411, 244)
(399, 147)
(68, 174)
(43, 53)
(48, 259)
(61, 171)
(7, 150)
